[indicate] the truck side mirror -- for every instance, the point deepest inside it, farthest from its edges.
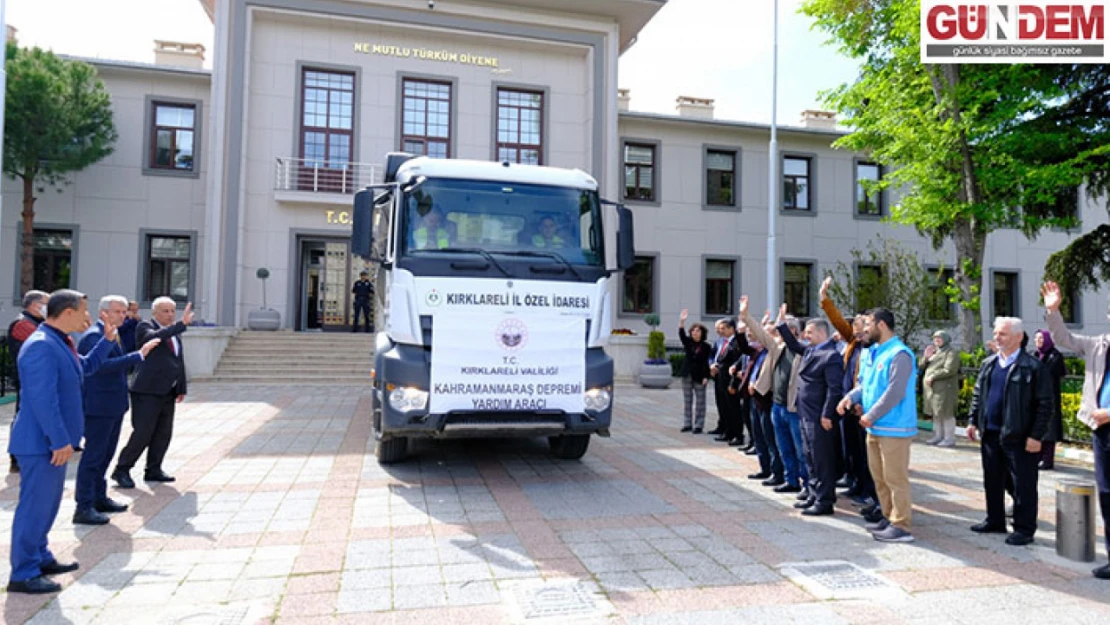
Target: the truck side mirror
(626, 251)
(362, 230)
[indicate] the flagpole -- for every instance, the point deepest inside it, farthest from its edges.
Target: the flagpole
(773, 163)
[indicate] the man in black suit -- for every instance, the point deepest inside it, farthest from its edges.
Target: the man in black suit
(820, 388)
(727, 355)
(158, 387)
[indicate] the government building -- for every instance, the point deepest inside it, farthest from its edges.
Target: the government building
(253, 164)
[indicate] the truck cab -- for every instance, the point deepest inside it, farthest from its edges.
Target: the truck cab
(492, 302)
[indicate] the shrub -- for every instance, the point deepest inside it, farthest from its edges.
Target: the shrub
(1075, 366)
(1071, 385)
(657, 348)
(1074, 429)
(677, 361)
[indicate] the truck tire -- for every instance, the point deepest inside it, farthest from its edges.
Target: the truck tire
(569, 446)
(392, 450)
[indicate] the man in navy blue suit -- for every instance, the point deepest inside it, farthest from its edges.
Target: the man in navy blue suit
(105, 401)
(50, 422)
(820, 389)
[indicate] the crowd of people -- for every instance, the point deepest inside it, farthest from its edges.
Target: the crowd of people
(76, 380)
(828, 403)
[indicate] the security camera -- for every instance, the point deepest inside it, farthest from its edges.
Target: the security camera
(431, 4)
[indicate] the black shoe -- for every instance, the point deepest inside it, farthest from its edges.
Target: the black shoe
(869, 509)
(818, 510)
(808, 503)
(853, 491)
(57, 568)
(750, 451)
(1046, 466)
(774, 480)
(762, 475)
(788, 488)
(803, 494)
(109, 505)
(90, 517)
(697, 430)
(874, 516)
(14, 466)
(1102, 572)
(35, 586)
(736, 442)
(123, 478)
(686, 428)
(158, 476)
(987, 528)
(720, 438)
(844, 482)
(1018, 539)
(715, 432)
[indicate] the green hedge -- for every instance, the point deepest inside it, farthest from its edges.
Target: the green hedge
(676, 362)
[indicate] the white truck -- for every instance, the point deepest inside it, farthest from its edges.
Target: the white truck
(492, 301)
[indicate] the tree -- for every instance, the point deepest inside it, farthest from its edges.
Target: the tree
(888, 274)
(970, 148)
(58, 119)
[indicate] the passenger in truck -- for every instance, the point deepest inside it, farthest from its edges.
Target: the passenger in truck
(432, 233)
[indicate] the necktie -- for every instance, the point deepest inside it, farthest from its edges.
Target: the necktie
(173, 345)
(721, 353)
(72, 347)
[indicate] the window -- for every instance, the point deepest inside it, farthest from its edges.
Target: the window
(639, 287)
(720, 178)
(639, 172)
(940, 306)
(868, 203)
(871, 288)
(327, 131)
(519, 126)
(426, 118)
(172, 136)
(168, 267)
(1005, 294)
(795, 183)
(53, 253)
(796, 280)
(719, 275)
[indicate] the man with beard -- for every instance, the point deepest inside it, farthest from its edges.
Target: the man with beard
(887, 398)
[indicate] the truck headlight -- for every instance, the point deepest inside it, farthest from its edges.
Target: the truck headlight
(406, 399)
(598, 399)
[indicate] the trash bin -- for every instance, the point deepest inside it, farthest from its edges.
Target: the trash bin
(1075, 520)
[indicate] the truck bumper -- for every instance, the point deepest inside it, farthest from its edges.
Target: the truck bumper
(410, 366)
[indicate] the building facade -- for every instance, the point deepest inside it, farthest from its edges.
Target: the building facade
(218, 174)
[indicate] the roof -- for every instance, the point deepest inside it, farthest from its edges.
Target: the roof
(464, 169)
(738, 125)
(141, 67)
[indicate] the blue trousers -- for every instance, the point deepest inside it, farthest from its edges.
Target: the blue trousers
(766, 449)
(1101, 440)
(788, 435)
(101, 439)
(40, 494)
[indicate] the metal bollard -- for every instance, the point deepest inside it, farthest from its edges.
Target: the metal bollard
(1075, 520)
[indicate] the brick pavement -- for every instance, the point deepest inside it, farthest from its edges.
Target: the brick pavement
(281, 515)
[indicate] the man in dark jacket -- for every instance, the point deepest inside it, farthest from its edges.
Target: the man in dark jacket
(34, 311)
(363, 290)
(1011, 405)
(105, 402)
(158, 387)
(820, 388)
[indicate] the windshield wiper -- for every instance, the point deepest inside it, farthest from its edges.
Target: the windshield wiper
(471, 250)
(555, 255)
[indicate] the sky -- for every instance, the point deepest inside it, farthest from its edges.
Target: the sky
(719, 49)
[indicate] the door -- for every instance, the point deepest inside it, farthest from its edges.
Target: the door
(324, 302)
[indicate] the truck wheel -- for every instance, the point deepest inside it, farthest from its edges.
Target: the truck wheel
(569, 446)
(392, 450)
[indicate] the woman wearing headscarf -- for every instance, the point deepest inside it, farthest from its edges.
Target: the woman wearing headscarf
(1053, 361)
(940, 372)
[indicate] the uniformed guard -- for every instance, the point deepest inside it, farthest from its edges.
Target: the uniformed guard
(363, 291)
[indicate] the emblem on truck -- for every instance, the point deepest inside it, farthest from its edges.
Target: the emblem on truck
(511, 334)
(433, 298)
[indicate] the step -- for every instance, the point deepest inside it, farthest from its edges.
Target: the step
(291, 369)
(359, 337)
(358, 381)
(322, 360)
(299, 353)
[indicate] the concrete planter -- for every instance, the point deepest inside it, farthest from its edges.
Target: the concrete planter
(655, 375)
(203, 347)
(267, 320)
(628, 353)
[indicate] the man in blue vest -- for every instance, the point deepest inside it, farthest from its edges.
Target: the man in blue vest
(49, 424)
(105, 402)
(886, 397)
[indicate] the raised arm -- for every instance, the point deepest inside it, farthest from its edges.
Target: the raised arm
(1063, 337)
(761, 335)
(835, 318)
(788, 338)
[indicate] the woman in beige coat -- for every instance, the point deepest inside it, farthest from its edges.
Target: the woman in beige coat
(940, 371)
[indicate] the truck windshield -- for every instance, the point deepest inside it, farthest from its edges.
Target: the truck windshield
(445, 214)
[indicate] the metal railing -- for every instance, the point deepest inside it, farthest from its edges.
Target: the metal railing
(319, 176)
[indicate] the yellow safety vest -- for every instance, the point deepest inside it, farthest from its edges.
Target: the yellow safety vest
(420, 236)
(538, 240)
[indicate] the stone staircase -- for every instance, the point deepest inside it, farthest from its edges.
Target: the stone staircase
(296, 358)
